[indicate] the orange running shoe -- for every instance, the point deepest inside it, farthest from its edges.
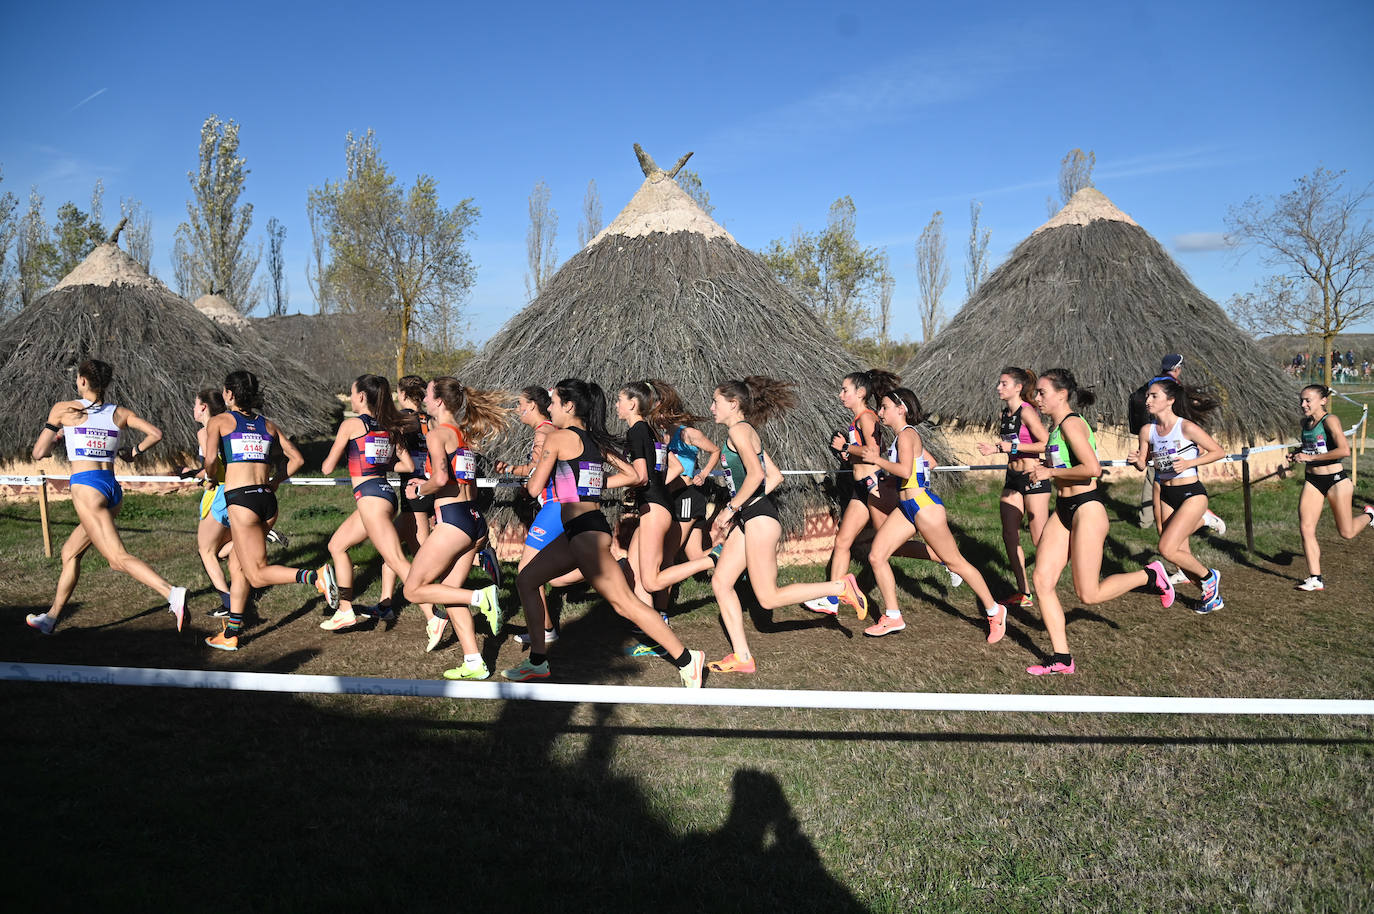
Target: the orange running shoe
(732, 664)
(854, 597)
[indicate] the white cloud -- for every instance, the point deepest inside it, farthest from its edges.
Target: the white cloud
(1201, 242)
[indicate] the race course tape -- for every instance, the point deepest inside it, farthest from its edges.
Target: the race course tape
(655, 695)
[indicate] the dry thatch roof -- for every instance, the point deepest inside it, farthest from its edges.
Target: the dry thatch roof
(163, 350)
(664, 291)
(217, 308)
(1091, 291)
(324, 344)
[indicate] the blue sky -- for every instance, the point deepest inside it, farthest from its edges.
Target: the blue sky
(906, 107)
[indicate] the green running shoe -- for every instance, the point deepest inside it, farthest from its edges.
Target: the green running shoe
(490, 607)
(468, 670)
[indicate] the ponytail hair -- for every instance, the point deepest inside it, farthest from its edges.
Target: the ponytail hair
(483, 414)
(915, 415)
(213, 400)
(760, 398)
(244, 386)
(1191, 403)
(98, 375)
(539, 396)
(588, 403)
(376, 391)
(644, 395)
(1319, 388)
(1023, 376)
(1063, 379)
(412, 387)
(668, 412)
(876, 383)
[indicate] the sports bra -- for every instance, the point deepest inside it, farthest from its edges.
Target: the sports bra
(1314, 442)
(645, 445)
(919, 477)
(1169, 446)
(416, 444)
(582, 478)
(249, 442)
(686, 454)
(97, 437)
(1012, 429)
(462, 463)
(1058, 454)
(373, 452)
(735, 471)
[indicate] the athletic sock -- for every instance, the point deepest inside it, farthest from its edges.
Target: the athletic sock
(472, 658)
(223, 597)
(683, 660)
(235, 623)
(306, 576)
(475, 599)
(1066, 659)
(892, 614)
(537, 659)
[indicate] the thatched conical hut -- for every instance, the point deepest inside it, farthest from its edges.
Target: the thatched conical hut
(217, 308)
(665, 291)
(163, 350)
(326, 344)
(1090, 290)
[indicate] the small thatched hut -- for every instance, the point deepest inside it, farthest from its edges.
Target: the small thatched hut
(163, 350)
(1091, 291)
(665, 291)
(217, 308)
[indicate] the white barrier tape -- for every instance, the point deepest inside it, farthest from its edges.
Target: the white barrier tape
(655, 695)
(489, 482)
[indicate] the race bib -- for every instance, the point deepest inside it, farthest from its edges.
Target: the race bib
(1054, 459)
(377, 449)
(95, 443)
(464, 465)
(1164, 459)
(247, 446)
(590, 477)
(1315, 445)
(660, 456)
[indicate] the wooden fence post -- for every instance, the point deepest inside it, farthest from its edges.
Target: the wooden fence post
(1245, 485)
(43, 514)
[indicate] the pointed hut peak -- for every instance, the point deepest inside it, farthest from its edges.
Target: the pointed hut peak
(217, 308)
(109, 265)
(1087, 205)
(660, 205)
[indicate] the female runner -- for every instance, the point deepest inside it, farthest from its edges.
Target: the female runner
(1078, 528)
(414, 522)
(1176, 443)
(212, 533)
(1022, 437)
(532, 408)
(1323, 447)
(242, 438)
(749, 526)
(91, 429)
(921, 512)
(461, 416)
(371, 442)
(574, 459)
(688, 469)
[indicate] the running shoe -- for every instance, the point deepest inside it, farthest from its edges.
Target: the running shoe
(732, 664)
(954, 579)
(1056, 668)
(1312, 583)
(486, 559)
(327, 585)
(176, 605)
(1216, 523)
(41, 623)
(1369, 509)
(382, 611)
(644, 651)
(1209, 606)
(277, 538)
(342, 619)
(434, 629)
(550, 636)
(885, 625)
(997, 624)
(694, 672)
(490, 608)
(471, 669)
(854, 597)
(223, 641)
(1166, 590)
(828, 605)
(219, 612)
(1211, 584)
(1178, 577)
(527, 671)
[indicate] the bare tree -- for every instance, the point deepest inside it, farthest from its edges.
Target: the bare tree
(590, 226)
(690, 182)
(276, 265)
(218, 225)
(184, 276)
(138, 232)
(932, 274)
(540, 248)
(1320, 237)
(976, 268)
(1075, 173)
(98, 201)
(886, 284)
(9, 230)
(316, 269)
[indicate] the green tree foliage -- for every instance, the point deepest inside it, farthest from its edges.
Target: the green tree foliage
(35, 255)
(213, 239)
(74, 236)
(394, 253)
(276, 266)
(835, 276)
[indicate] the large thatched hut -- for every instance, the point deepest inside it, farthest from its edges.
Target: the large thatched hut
(1091, 291)
(326, 344)
(163, 350)
(665, 291)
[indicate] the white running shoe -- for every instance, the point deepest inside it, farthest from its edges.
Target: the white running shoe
(828, 605)
(41, 623)
(1216, 523)
(550, 636)
(434, 631)
(954, 579)
(1178, 577)
(1312, 583)
(176, 605)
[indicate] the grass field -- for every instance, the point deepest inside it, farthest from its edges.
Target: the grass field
(244, 801)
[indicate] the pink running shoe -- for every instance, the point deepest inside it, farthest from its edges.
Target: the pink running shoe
(1166, 590)
(854, 597)
(886, 625)
(1052, 669)
(997, 624)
